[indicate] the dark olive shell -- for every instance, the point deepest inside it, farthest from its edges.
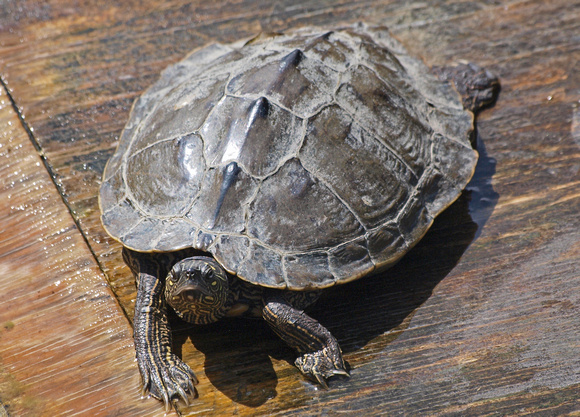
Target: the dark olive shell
(299, 160)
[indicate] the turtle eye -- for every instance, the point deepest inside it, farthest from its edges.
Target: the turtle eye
(207, 272)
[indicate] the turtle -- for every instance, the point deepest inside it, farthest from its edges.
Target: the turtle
(252, 176)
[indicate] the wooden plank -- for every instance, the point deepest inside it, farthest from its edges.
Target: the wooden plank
(65, 344)
(481, 318)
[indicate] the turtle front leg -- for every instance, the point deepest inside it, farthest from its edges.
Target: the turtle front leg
(164, 375)
(320, 356)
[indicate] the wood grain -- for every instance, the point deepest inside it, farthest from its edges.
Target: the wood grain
(65, 345)
(481, 318)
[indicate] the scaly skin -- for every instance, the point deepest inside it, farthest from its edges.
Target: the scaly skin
(164, 375)
(320, 356)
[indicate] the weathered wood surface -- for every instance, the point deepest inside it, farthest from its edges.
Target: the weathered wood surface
(481, 318)
(64, 346)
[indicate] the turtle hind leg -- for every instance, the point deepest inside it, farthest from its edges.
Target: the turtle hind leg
(319, 355)
(478, 87)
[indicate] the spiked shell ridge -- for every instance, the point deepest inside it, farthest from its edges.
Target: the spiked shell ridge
(299, 160)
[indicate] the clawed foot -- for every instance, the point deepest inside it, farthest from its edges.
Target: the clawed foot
(319, 353)
(168, 380)
(322, 364)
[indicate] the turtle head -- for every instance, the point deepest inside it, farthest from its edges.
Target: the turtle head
(197, 288)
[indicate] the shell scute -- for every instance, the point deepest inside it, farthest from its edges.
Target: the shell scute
(386, 245)
(166, 189)
(231, 250)
(121, 217)
(373, 181)
(387, 115)
(293, 212)
(350, 260)
(175, 233)
(182, 111)
(308, 271)
(331, 48)
(259, 135)
(263, 266)
(292, 80)
(219, 206)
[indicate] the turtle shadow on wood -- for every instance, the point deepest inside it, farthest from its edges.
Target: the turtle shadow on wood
(235, 364)
(356, 313)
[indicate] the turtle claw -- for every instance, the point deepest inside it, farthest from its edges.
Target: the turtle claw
(321, 381)
(322, 364)
(342, 372)
(169, 380)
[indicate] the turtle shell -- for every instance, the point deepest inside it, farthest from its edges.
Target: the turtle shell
(298, 161)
